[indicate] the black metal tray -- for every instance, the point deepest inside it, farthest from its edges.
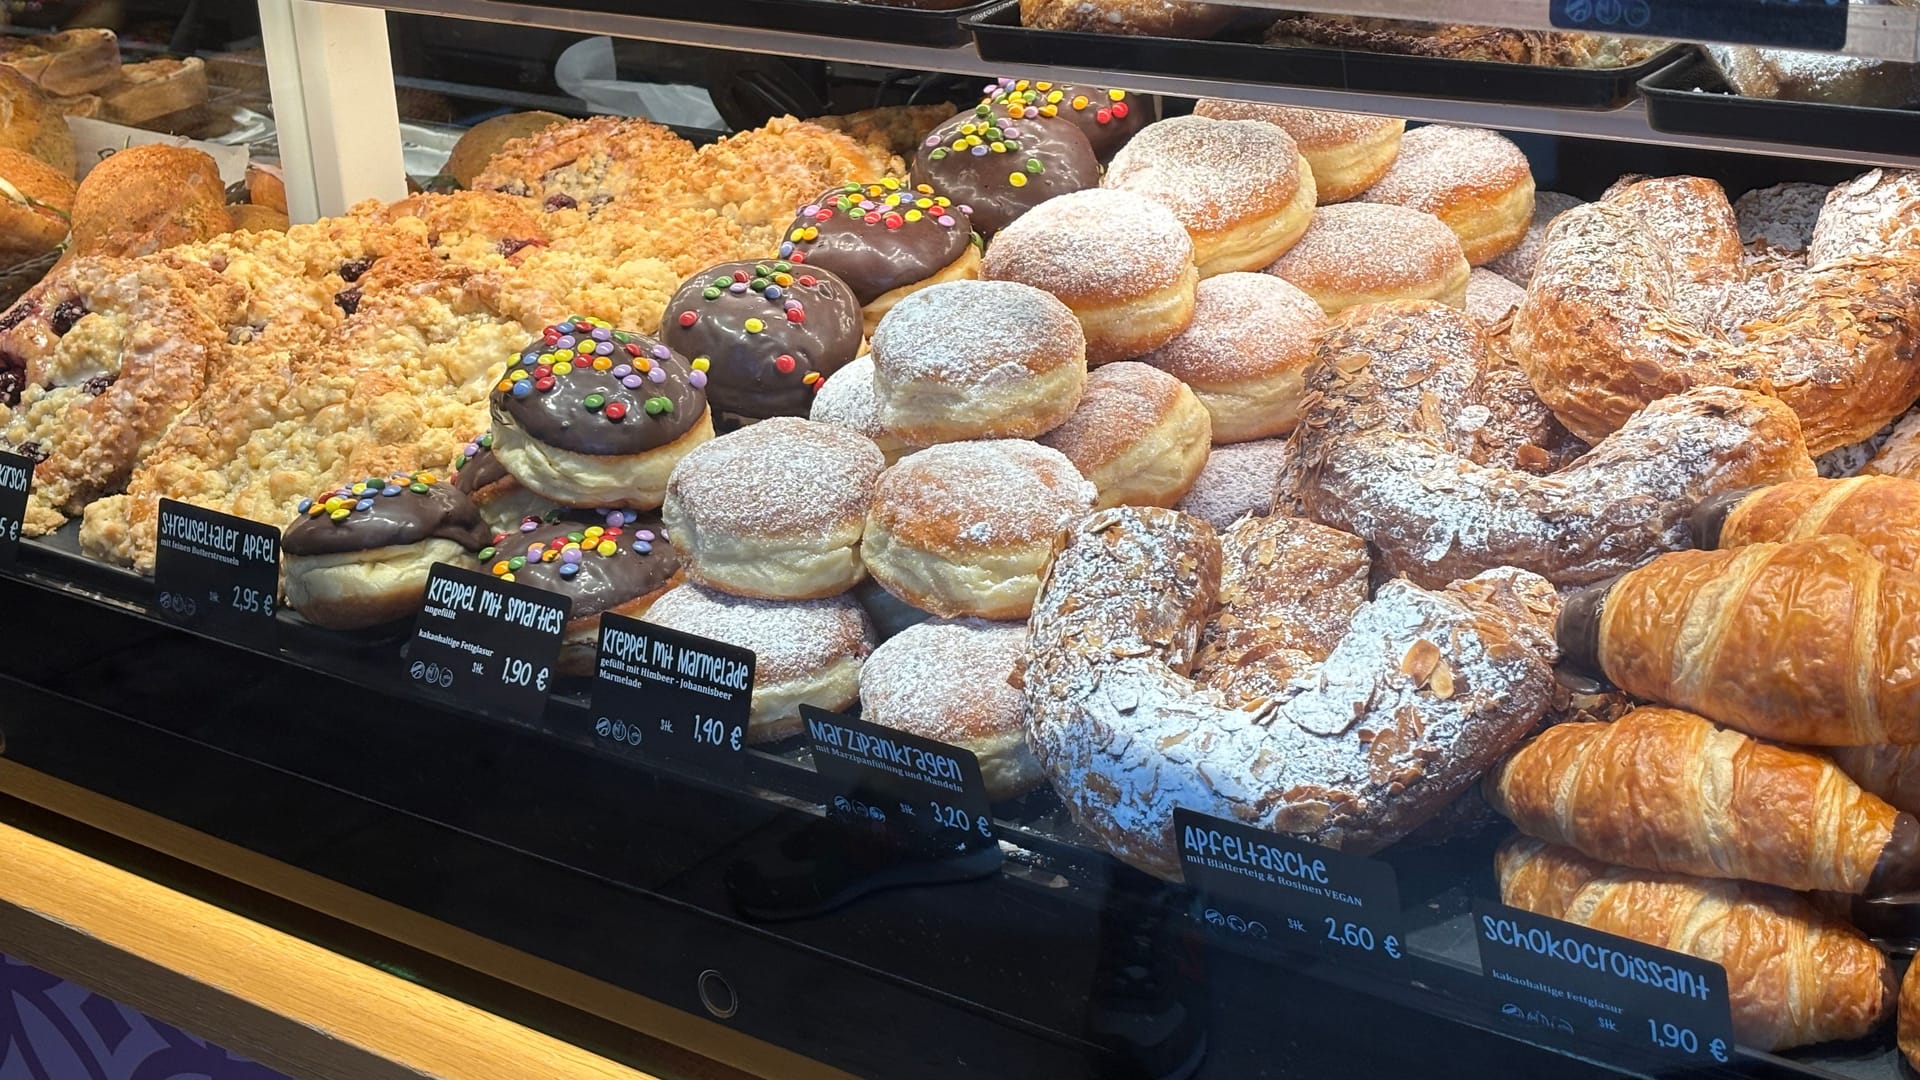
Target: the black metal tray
(1691, 97)
(1000, 37)
(836, 18)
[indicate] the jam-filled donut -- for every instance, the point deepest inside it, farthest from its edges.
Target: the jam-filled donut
(359, 555)
(592, 416)
(503, 501)
(1246, 353)
(885, 239)
(775, 509)
(1108, 118)
(1366, 253)
(1476, 181)
(617, 560)
(1140, 436)
(1121, 261)
(999, 168)
(848, 400)
(805, 652)
(765, 332)
(1349, 152)
(946, 679)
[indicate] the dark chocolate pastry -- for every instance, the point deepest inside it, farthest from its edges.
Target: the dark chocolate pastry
(590, 389)
(503, 500)
(1108, 118)
(405, 508)
(998, 168)
(769, 330)
(601, 563)
(879, 236)
(477, 466)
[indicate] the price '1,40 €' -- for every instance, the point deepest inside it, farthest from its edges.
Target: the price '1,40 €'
(714, 732)
(518, 672)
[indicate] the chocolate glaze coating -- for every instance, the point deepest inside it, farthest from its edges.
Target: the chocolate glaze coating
(1108, 118)
(1577, 631)
(442, 511)
(603, 582)
(1051, 156)
(476, 470)
(877, 237)
(772, 370)
(559, 408)
(1711, 515)
(1898, 868)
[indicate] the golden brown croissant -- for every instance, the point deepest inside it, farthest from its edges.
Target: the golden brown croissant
(1813, 642)
(1662, 789)
(1794, 975)
(1882, 512)
(1909, 1036)
(1891, 772)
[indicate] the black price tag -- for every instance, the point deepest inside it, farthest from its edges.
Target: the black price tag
(923, 794)
(1564, 983)
(1284, 892)
(659, 694)
(1787, 24)
(16, 478)
(487, 644)
(216, 572)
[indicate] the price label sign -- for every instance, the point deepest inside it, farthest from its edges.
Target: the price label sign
(1789, 24)
(487, 644)
(1280, 891)
(216, 572)
(659, 694)
(16, 479)
(924, 794)
(1564, 983)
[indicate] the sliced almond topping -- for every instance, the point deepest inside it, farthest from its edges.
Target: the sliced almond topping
(1420, 660)
(1441, 681)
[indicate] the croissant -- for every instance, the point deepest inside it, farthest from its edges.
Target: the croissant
(1662, 789)
(1909, 1031)
(1882, 512)
(1891, 772)
(1794, 975)
(1813, 642)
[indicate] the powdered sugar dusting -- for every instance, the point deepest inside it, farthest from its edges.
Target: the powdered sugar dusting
(990, 493)
(1438, 164)
(1312, 129)
(946, 679)
(1123, 403)
(847, 399)
(1369, 247)
(1245, 326)
(1213, 174)
(975, 333)
(1517, 265)
(1490, 297)
(1238, 480)
(1094, 244)
(790, 639)
(778, 476)
(1874, 212)
(1780, 216)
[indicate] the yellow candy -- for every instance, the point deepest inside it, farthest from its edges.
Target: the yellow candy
(508, 576)
(341, 514)
(924, 189)
(549, 555)
(943, 201)
(1051, 110)
(783, 280)
(813, 232)
(754, 326)
(563, 368)
(316, 510)
(1023, 84)
(997, 147)
(592, 531)
(601, 363)
(1054, 97)
(797, 234)
(426, 478)
(1080, 101)
(1116, 95)
(913, 215)
(701, 363)
(334, 503)
(518, 375)
(1017, 179)
(891, 183)
(572, 545)
(607, 547)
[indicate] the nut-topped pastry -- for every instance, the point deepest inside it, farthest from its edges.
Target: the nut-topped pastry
(1107, 117)
(611, 560)
(999, 168)
(765, 333)
(885, 239)
(588, 415)
(359, 555)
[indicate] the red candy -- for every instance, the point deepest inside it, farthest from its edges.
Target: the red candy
(797, 257)
(894, 221)
(543, 385)
(809, 280)
(1104, 116)
(823, 215)
(872, 218)
(1119, 110)
(633, 349)
(542, 371)
(783, 363)
(688, 318)
(740, 275)
(795, 315)
(615, 411)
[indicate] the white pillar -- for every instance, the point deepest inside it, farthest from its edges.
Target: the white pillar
(333, 104)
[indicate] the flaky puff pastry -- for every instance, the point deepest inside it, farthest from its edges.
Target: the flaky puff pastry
(1662, 789)
(1813, 642)
(1794, 975)
(1882, 512)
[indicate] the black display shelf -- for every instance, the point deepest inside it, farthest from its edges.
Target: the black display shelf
(1064, 964)
(1691, 97)
(1000, 38)
(892, 23)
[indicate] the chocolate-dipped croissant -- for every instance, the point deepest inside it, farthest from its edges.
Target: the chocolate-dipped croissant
(1882, 512)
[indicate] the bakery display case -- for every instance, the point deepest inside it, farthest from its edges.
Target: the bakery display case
(977, 540)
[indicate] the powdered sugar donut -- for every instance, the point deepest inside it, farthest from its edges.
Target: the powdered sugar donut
(847, 399)
(1251, 338)
(1140, 435)
(1238, 480)
(977, 360)
(946, 679)
(1490, 297)
(1476, 181)
(966, 528)
(1242, 188)
(1365, 253)
(1517, 265)
(1121, 261)
(1349, 152)
(775, 509)
(805, 652)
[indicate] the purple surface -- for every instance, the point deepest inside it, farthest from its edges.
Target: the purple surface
(53, 1030)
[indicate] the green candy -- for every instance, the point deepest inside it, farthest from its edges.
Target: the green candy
(594, 401)
(1033, 166)
(758, 284)
(516, 562)
(710, 293)
(938, 153)
(722, 282)
(417, 488)
(486, 553)
(658, 405)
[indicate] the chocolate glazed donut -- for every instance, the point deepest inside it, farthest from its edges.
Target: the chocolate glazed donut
(998, 168)
(768, 333)
(877, 237)
(643, 398)
(1108, 118)
(375, 513)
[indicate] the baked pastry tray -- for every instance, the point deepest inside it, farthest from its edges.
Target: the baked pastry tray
(1691, 97)
(926, 25)
(1000, 37)
(1043, 849)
